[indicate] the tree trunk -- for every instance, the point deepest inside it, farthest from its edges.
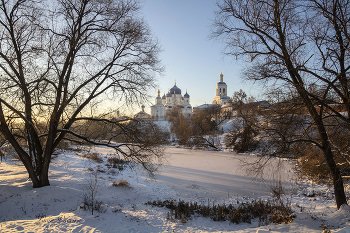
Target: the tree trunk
(44, 175)
(40, 180)
(299, 85)
(32, 173)
(339, 193)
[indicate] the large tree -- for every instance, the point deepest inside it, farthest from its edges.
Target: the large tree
(297, 45)
(57, 59)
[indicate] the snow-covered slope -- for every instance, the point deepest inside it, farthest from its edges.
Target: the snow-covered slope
(57, 208)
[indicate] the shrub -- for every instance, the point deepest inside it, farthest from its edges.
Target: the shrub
(6, 150)
(90, 201)
(40, 216)
(115, 160)
(242, 137)
(313, 165)
(90, 205)
(93, 156)
(121, 183)
(211, 142)
(117, 163)
(267, 211)
(64, 145)
(195, 131)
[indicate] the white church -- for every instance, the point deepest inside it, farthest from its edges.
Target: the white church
(168, 101)
(174, 98)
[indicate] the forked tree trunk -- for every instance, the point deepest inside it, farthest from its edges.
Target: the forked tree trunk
(299, 85)
(39, 179)
(339, 192)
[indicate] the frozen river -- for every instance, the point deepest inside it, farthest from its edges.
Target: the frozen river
(219, 175)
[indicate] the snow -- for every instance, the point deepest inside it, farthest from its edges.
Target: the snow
(219, 175)
(163, 124)
(189, 175)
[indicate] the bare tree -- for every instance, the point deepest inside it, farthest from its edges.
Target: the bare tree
(198, 131)
(308, 53)
(180, 125)
(204, 127)
(60, 58)
(244, 128)
(204, 122)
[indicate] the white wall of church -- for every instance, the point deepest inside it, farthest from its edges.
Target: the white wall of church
(175, 98)
(168, 101)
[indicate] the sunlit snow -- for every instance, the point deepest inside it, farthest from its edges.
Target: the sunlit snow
(190, 175)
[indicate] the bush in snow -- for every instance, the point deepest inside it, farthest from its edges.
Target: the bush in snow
(242, 136)
(90, 201)
(121, 183)
(117, 162)
(93, 156)
(274, 210)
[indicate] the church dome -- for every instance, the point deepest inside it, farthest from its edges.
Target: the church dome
(175, 90)
(142, 114)
(163, 97)
(186, 95)
(168, 94)
(221, 79)
(158, 97)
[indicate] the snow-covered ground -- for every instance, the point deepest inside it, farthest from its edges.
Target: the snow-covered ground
(188, 175)
(220, 175)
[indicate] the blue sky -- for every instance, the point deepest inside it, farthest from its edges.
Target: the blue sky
(189, 56)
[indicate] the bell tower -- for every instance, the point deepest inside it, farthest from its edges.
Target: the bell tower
(221, 91)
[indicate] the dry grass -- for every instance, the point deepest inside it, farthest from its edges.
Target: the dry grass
(121, 183)
(93, 156)
(114, 160)
(117, 163)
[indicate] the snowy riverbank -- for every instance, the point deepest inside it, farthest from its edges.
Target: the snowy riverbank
(187, 175)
